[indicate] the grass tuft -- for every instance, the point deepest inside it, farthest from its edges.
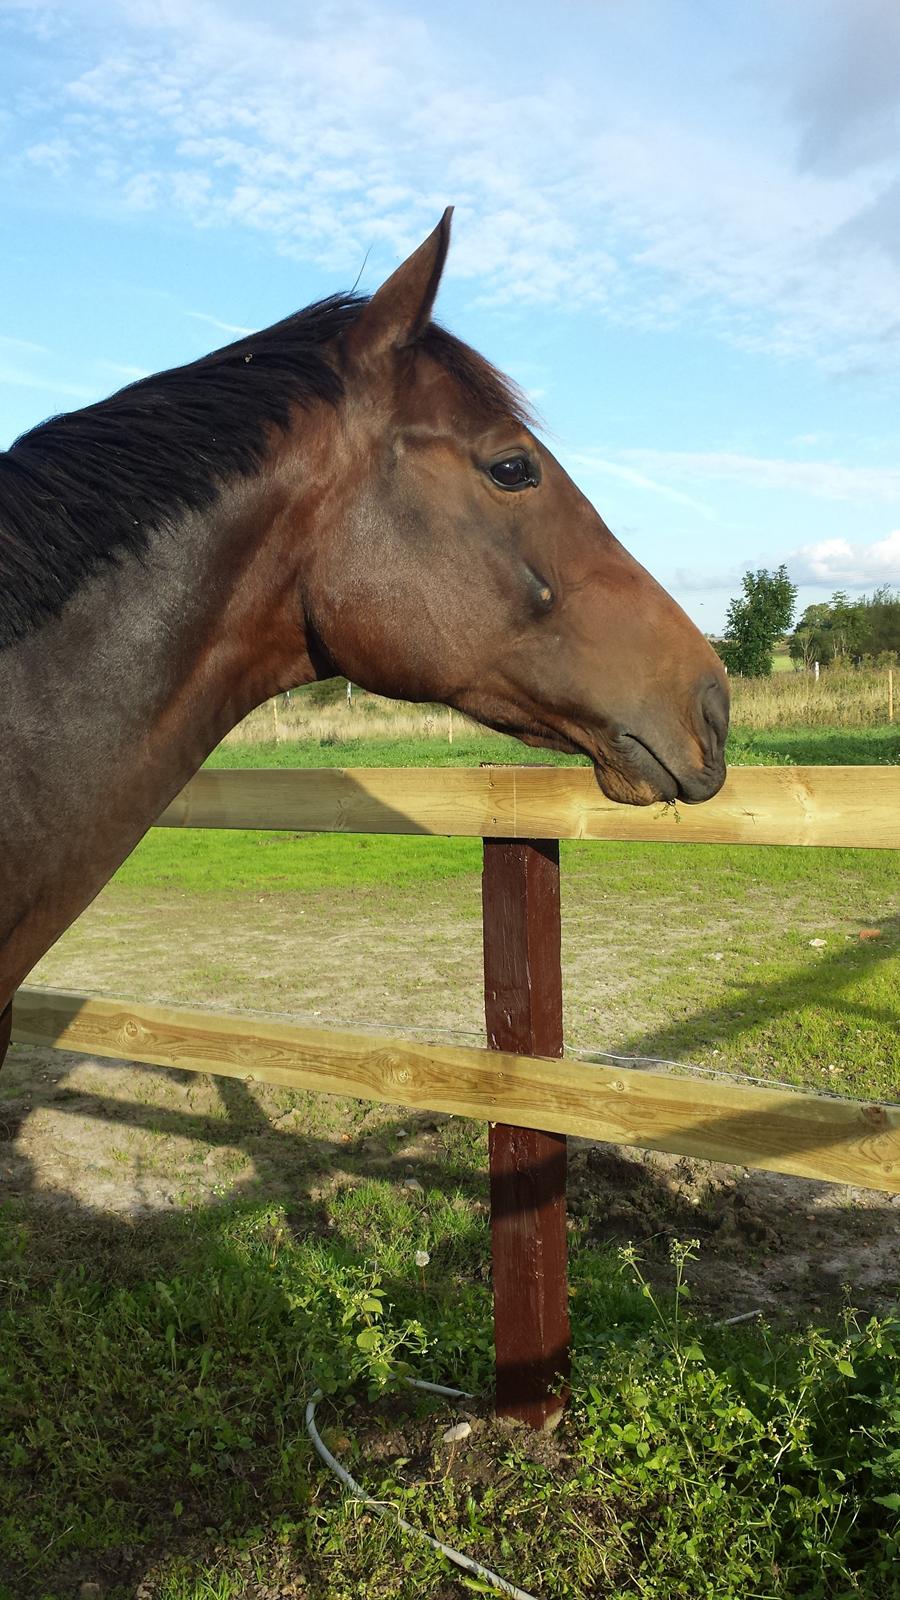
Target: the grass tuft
(152, 1436)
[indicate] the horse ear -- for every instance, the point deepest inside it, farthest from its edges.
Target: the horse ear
(400, 310)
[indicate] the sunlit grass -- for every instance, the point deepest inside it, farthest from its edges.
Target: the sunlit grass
(841, 697)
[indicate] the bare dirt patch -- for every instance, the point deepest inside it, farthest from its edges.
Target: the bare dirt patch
(119, 1140)
(115, 1140)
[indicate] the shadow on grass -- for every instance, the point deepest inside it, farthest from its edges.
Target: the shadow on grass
(615, 1195)
(816, 747)
(823, 986)
(765, 1239)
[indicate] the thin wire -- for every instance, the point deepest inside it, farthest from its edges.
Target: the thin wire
(717, 1072)
(736, 1077)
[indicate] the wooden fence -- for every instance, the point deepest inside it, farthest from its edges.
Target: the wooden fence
(758, 805)
(530, 1097)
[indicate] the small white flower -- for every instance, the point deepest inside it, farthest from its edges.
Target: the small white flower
(422, 1258)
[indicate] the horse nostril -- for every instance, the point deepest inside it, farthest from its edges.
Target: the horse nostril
(714, 705)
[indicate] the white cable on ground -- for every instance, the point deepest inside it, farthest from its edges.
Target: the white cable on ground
(383, 1510)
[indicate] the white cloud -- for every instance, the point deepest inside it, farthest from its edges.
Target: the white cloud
(121, 369)
(823, 480)
(846, 94)
(57, 155)
(837, 562)
(27, 346)
(703, 580)
(592, 462)
(335, 128)
(18, 378)
(216, 322)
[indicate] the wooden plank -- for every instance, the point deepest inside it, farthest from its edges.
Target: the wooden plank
(857, 806)
(841, 1141)
(524, 1015)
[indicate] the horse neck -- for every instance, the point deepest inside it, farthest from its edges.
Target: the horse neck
(106, 712)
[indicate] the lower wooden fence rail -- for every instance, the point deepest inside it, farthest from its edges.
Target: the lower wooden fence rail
(774, 1130)
(530, 1095)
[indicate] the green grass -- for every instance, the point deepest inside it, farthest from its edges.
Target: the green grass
(208, 861)
(153, 1375)
(152, 1423)
(721, 937)
(199, 861)
(746, 747)
(814, 747)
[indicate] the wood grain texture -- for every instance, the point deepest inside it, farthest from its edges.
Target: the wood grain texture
(776, 1130)
(759, 805)
(523, 1010)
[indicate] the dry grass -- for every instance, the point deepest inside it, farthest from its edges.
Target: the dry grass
(840, 699)
(369, 717)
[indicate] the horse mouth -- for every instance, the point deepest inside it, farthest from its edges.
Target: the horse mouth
(632, 774)
(625, 768)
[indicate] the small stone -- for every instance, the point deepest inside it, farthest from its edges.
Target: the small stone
(817, 944)
(718, 955)
(460, 1430)
(414, 1185)
(402, 1133)
(89, 1591)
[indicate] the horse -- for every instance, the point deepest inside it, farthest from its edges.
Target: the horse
(353, 491)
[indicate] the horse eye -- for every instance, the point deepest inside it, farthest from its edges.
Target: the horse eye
(513, 472)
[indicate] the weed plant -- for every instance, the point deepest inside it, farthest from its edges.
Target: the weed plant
(152, 1439)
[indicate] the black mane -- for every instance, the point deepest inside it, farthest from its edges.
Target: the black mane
(93, 484)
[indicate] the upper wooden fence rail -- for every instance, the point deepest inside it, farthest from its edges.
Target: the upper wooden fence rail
(858, 806)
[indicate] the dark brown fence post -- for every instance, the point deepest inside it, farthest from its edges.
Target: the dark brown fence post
(523, 1012)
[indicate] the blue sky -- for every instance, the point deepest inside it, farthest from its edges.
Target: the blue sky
(677, 225)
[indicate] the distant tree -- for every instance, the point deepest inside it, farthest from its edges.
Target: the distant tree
(878, 633)
(756, 619)
(840, 629)
(811, 639)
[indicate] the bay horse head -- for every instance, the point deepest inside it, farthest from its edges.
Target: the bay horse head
(351, 491)
(457, 562)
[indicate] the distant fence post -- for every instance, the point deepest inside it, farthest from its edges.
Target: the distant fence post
(523, 1012)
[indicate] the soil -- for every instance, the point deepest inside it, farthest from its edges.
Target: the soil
(111, 1139)
(88, 1145)
(108, 1140)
